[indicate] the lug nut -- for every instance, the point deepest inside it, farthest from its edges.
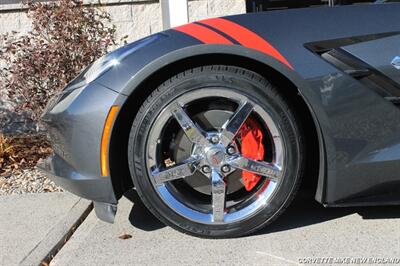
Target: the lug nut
(214, 139)
(231, 150)
(225, 168)
(206, 169)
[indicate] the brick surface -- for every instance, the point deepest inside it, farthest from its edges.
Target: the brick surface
(14, 21)
(198, 10)
(218, 8)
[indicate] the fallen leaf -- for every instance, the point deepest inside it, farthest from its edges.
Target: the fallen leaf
(125, 236)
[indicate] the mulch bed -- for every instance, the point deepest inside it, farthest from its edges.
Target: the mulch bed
(22, 152)
(18, 158)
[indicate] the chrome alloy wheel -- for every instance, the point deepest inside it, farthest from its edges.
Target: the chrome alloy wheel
(214, 154)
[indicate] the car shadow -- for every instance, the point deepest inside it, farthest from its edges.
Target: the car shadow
(139, 216)
(303, 211)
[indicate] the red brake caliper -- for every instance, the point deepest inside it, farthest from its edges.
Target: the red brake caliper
(252, 148)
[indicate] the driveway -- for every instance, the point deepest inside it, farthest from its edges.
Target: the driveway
(306, 231)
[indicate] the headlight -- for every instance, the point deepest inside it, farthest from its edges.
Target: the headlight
(100, 66)
(108, 61)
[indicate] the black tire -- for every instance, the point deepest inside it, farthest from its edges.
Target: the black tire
(256, 88)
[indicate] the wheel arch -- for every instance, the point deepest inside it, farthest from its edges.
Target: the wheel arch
(138, 89)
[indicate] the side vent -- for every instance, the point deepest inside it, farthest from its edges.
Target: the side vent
(373, 79)
(364, 73)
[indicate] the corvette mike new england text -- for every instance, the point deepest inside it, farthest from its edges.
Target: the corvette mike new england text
(348, 260)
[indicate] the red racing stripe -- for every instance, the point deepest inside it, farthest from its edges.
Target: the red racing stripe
(245, 37)
(203, 34)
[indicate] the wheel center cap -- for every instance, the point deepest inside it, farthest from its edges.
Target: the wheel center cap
(215, 156)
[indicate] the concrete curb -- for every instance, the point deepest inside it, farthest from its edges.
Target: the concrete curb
(58, 235)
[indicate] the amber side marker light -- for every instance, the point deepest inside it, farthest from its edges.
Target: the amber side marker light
(105, 140)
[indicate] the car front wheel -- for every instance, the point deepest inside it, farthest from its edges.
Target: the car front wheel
(216, 151)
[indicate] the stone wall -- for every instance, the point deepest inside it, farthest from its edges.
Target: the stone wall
(134, 18)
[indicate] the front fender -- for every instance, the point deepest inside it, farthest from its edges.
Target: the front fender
(334, 98)
(142, 70)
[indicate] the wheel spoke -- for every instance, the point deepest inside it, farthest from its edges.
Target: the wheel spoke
(181, 170)
(233, 125)
(191, 130)
(218, 196)
(262, 168)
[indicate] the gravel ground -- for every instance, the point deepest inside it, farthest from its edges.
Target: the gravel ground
(28, 181)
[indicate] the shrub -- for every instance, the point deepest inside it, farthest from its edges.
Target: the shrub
(65, 37)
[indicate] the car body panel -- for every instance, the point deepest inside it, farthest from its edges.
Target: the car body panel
(359, 130)
(74, 122)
